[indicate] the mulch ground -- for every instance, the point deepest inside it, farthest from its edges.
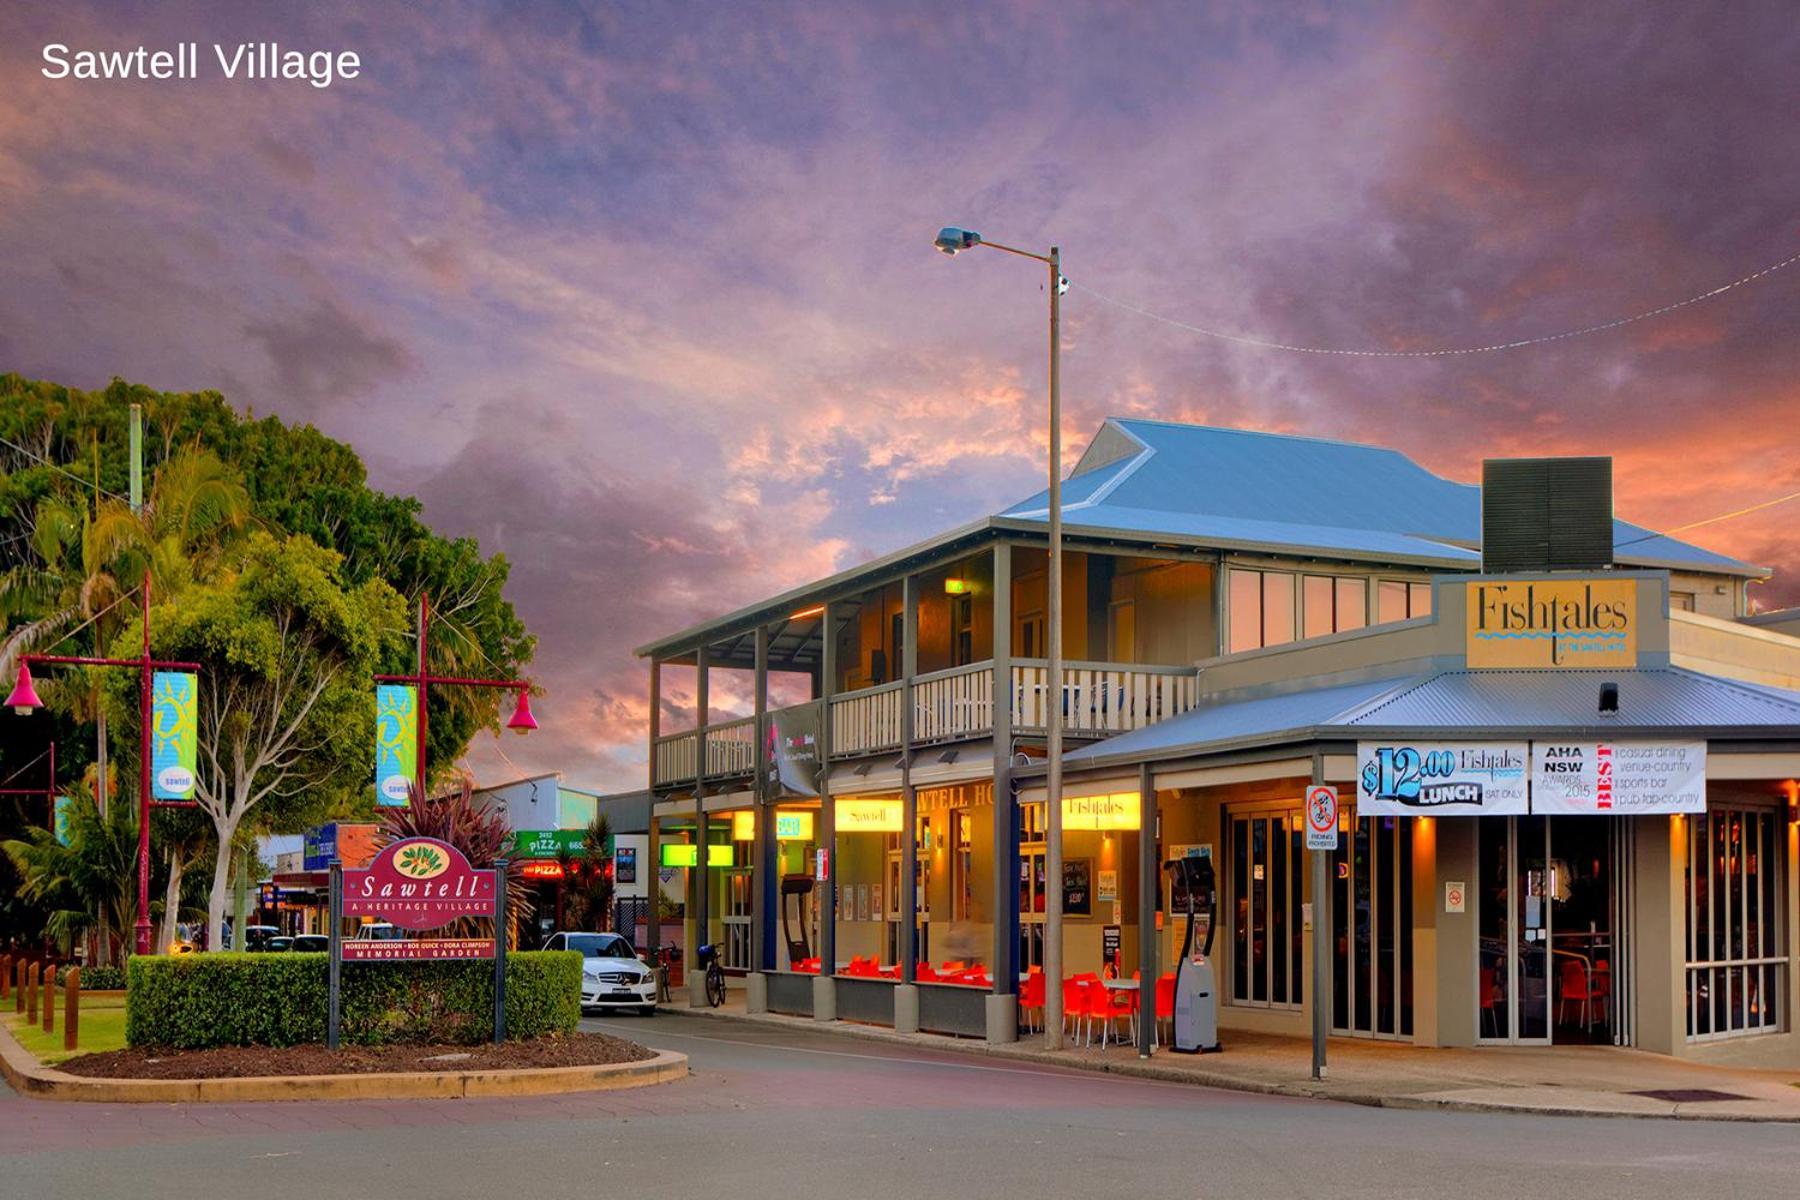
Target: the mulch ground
(239, 1062)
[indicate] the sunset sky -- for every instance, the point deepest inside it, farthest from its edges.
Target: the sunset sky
(646, 300)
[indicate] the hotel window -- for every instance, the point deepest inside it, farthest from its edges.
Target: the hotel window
(1262, 609)
(1736, 947)
(1683, 601)
(1399, 600)
(962, 864)
(1333, 604)
(1267, 865)
(1033, 885)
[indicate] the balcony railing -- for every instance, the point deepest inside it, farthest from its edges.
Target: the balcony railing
(1098, 699)
(1103, 698)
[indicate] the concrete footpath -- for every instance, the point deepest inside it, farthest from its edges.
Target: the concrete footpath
(1589, 1081)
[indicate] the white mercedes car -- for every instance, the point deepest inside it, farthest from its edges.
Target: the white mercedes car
(611, 974)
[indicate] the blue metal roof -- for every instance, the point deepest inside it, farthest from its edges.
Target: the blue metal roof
(1302, 494)
(1669, 700)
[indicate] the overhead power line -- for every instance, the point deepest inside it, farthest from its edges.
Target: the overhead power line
(1442, 351)
(60, 469)
(1741, 512)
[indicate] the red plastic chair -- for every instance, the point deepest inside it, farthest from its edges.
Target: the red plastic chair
(1075, 1003)
(1032, 998)
(1165, 1002)
(1575, 985)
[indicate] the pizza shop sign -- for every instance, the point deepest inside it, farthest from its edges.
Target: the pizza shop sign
(414, 885)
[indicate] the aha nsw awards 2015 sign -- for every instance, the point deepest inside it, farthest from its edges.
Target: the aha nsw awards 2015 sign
(1618, 778)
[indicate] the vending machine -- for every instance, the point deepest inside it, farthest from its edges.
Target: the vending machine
(1196, 992)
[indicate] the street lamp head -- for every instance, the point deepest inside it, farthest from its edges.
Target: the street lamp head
(24, 697)
(952, 240)
(522, 720)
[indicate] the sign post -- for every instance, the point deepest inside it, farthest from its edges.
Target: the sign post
(1321, 843)
(335, 934)
(500, 954)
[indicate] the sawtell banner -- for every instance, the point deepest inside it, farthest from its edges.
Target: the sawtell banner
(396, 742)
(174, 736)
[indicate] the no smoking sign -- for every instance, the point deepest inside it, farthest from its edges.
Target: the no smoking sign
(1321, 817)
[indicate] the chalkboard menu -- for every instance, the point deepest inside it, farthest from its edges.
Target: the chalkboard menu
(1078, 887)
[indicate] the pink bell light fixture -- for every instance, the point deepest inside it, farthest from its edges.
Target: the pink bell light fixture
(522, 720)
(24, 697)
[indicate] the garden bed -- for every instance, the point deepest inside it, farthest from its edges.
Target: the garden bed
(243, 1062)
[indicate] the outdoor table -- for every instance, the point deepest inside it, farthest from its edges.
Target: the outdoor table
(1120, 985)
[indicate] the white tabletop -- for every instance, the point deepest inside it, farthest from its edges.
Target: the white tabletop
(1121, 985)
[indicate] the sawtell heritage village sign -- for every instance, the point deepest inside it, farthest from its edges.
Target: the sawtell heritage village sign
(417, 884)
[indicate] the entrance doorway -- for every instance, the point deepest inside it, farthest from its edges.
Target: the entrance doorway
(1549, 920)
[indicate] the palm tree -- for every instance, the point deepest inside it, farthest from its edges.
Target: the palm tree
(89, 885)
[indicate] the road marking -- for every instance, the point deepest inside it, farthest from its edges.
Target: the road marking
(1050, 1071)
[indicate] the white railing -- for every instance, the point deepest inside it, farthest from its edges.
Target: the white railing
(675, 757)
(1103, 697)
(731, 748)
(865, 721)
(954, 703)
(1097, 698)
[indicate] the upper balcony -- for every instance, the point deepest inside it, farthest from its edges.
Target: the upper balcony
(1098, 700)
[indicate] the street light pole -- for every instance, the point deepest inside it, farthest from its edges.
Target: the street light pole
(24, 698)
(421, 679)
(952, 240)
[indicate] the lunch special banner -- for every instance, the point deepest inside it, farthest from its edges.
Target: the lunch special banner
(1618, 778)
(175, 735)
(1516, 778)
(1410, 779)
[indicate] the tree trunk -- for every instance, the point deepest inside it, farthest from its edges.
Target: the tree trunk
(221, 886)
(240, 904)
(172, 903)
(100, 788)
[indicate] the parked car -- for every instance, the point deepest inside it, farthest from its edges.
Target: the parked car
(277, 945)
(380, 931)
(311, 943)
(612, 975)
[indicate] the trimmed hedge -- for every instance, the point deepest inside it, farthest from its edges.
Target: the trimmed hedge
(95, 979)
(195, 1001)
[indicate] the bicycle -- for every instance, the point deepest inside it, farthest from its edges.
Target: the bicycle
(715, 975)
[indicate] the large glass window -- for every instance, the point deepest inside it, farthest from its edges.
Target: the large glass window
(867, 877)
(1400, 599)
(1262, 607)
(1736, 952)
(1333, 604)
(1267, 866)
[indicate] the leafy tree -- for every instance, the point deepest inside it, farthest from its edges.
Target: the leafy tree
(588, 879)
(298, 481)
(286, 646)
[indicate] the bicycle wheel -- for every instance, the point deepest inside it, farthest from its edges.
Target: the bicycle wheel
(715, 987)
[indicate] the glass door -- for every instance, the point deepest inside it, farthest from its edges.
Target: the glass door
(1513, 922)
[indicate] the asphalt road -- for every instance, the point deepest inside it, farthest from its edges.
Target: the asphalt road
(770, 1112)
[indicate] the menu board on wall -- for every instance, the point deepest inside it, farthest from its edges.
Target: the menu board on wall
(1423, 779)
(1078, 887)
(1618, 778)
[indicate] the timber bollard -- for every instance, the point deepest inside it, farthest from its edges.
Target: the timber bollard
(48, 974)
(31, 982)
(6, 962)
(72, 1008)
(18, 973)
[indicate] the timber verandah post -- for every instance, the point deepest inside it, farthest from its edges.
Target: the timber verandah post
(1149, 884)
(762, 926)
(697, 877)
(652, 844)
(825, 985)
(906, 995)
(1002, 1004)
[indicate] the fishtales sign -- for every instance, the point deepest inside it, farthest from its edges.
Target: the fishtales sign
(416, 884)
(1552, 623)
